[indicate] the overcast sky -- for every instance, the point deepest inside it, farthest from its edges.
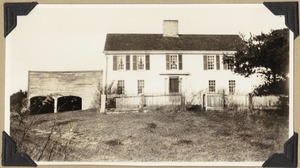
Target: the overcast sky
(72, 37)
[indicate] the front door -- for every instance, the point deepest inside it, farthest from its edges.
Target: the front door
(174, 85)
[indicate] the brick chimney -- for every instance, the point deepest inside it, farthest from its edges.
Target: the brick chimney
(170, 28)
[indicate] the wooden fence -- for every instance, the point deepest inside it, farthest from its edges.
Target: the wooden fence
(148, 100)
(210, 101)
(265, 102)
(219, 101)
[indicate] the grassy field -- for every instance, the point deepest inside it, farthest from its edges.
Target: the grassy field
(161, 134)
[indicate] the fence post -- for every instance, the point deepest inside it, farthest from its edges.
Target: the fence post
(250, 101)
(205, 101)
(182, 97)
(141, 104)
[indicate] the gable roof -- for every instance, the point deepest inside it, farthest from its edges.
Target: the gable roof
(185, 42)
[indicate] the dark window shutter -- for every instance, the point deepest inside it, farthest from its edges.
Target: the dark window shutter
(167, 62)
(134, 67)
(147, 62)
(180, 61)
(218, 61)
(114, 62)
(127, 62)
(205, 62)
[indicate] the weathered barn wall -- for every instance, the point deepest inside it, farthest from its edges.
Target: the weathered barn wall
(64, 83)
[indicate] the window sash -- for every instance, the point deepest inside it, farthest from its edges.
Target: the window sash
(210, 62)
(231, 86)
(212, 86)
(140, 86)
(173, 61)
(121, 62)
(121, 86)
(140, 61)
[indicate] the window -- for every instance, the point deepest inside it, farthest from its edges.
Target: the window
(121, 62)
(231, 87)
(140, 86)
(210, 62)
(141, 62)
(174, 61)
(212, 86)
(121, 87)
(229, 62)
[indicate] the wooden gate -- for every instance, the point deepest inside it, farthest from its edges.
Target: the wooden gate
(213, 102)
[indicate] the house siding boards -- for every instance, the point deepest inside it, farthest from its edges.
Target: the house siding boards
(194, 78)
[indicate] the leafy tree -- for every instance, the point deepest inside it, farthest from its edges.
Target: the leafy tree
(18, 101)
(265, 54)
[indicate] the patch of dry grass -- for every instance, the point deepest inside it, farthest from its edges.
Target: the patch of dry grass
(162, 134)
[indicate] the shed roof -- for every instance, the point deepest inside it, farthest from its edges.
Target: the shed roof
(185, 42)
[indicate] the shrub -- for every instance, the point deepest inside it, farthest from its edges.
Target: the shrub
(18, 102)
(110, 100)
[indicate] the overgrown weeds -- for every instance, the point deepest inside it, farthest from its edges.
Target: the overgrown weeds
(159, 135)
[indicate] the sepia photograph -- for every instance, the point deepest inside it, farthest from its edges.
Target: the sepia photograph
(149, 84)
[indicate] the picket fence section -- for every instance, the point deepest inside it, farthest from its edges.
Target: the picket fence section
(148, 100)
(261, 102)
(219, 101)
(210, 101)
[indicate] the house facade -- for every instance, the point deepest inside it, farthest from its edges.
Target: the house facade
(172, 63)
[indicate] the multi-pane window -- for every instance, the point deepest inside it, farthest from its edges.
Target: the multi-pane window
(210, 62)
(212, 86)
(229, 64)
(231, 86)
(140, 86)
(121, 62)
(173, 61)
(121, 86)
(140, 62)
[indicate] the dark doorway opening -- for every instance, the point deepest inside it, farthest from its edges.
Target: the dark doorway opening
(174, 85)
(41, 105)
(69, 103)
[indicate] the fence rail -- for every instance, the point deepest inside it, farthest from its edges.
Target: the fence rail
(132, 101)
(219, 101)
(209, 102)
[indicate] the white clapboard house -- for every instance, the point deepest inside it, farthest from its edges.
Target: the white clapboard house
(172, 63)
